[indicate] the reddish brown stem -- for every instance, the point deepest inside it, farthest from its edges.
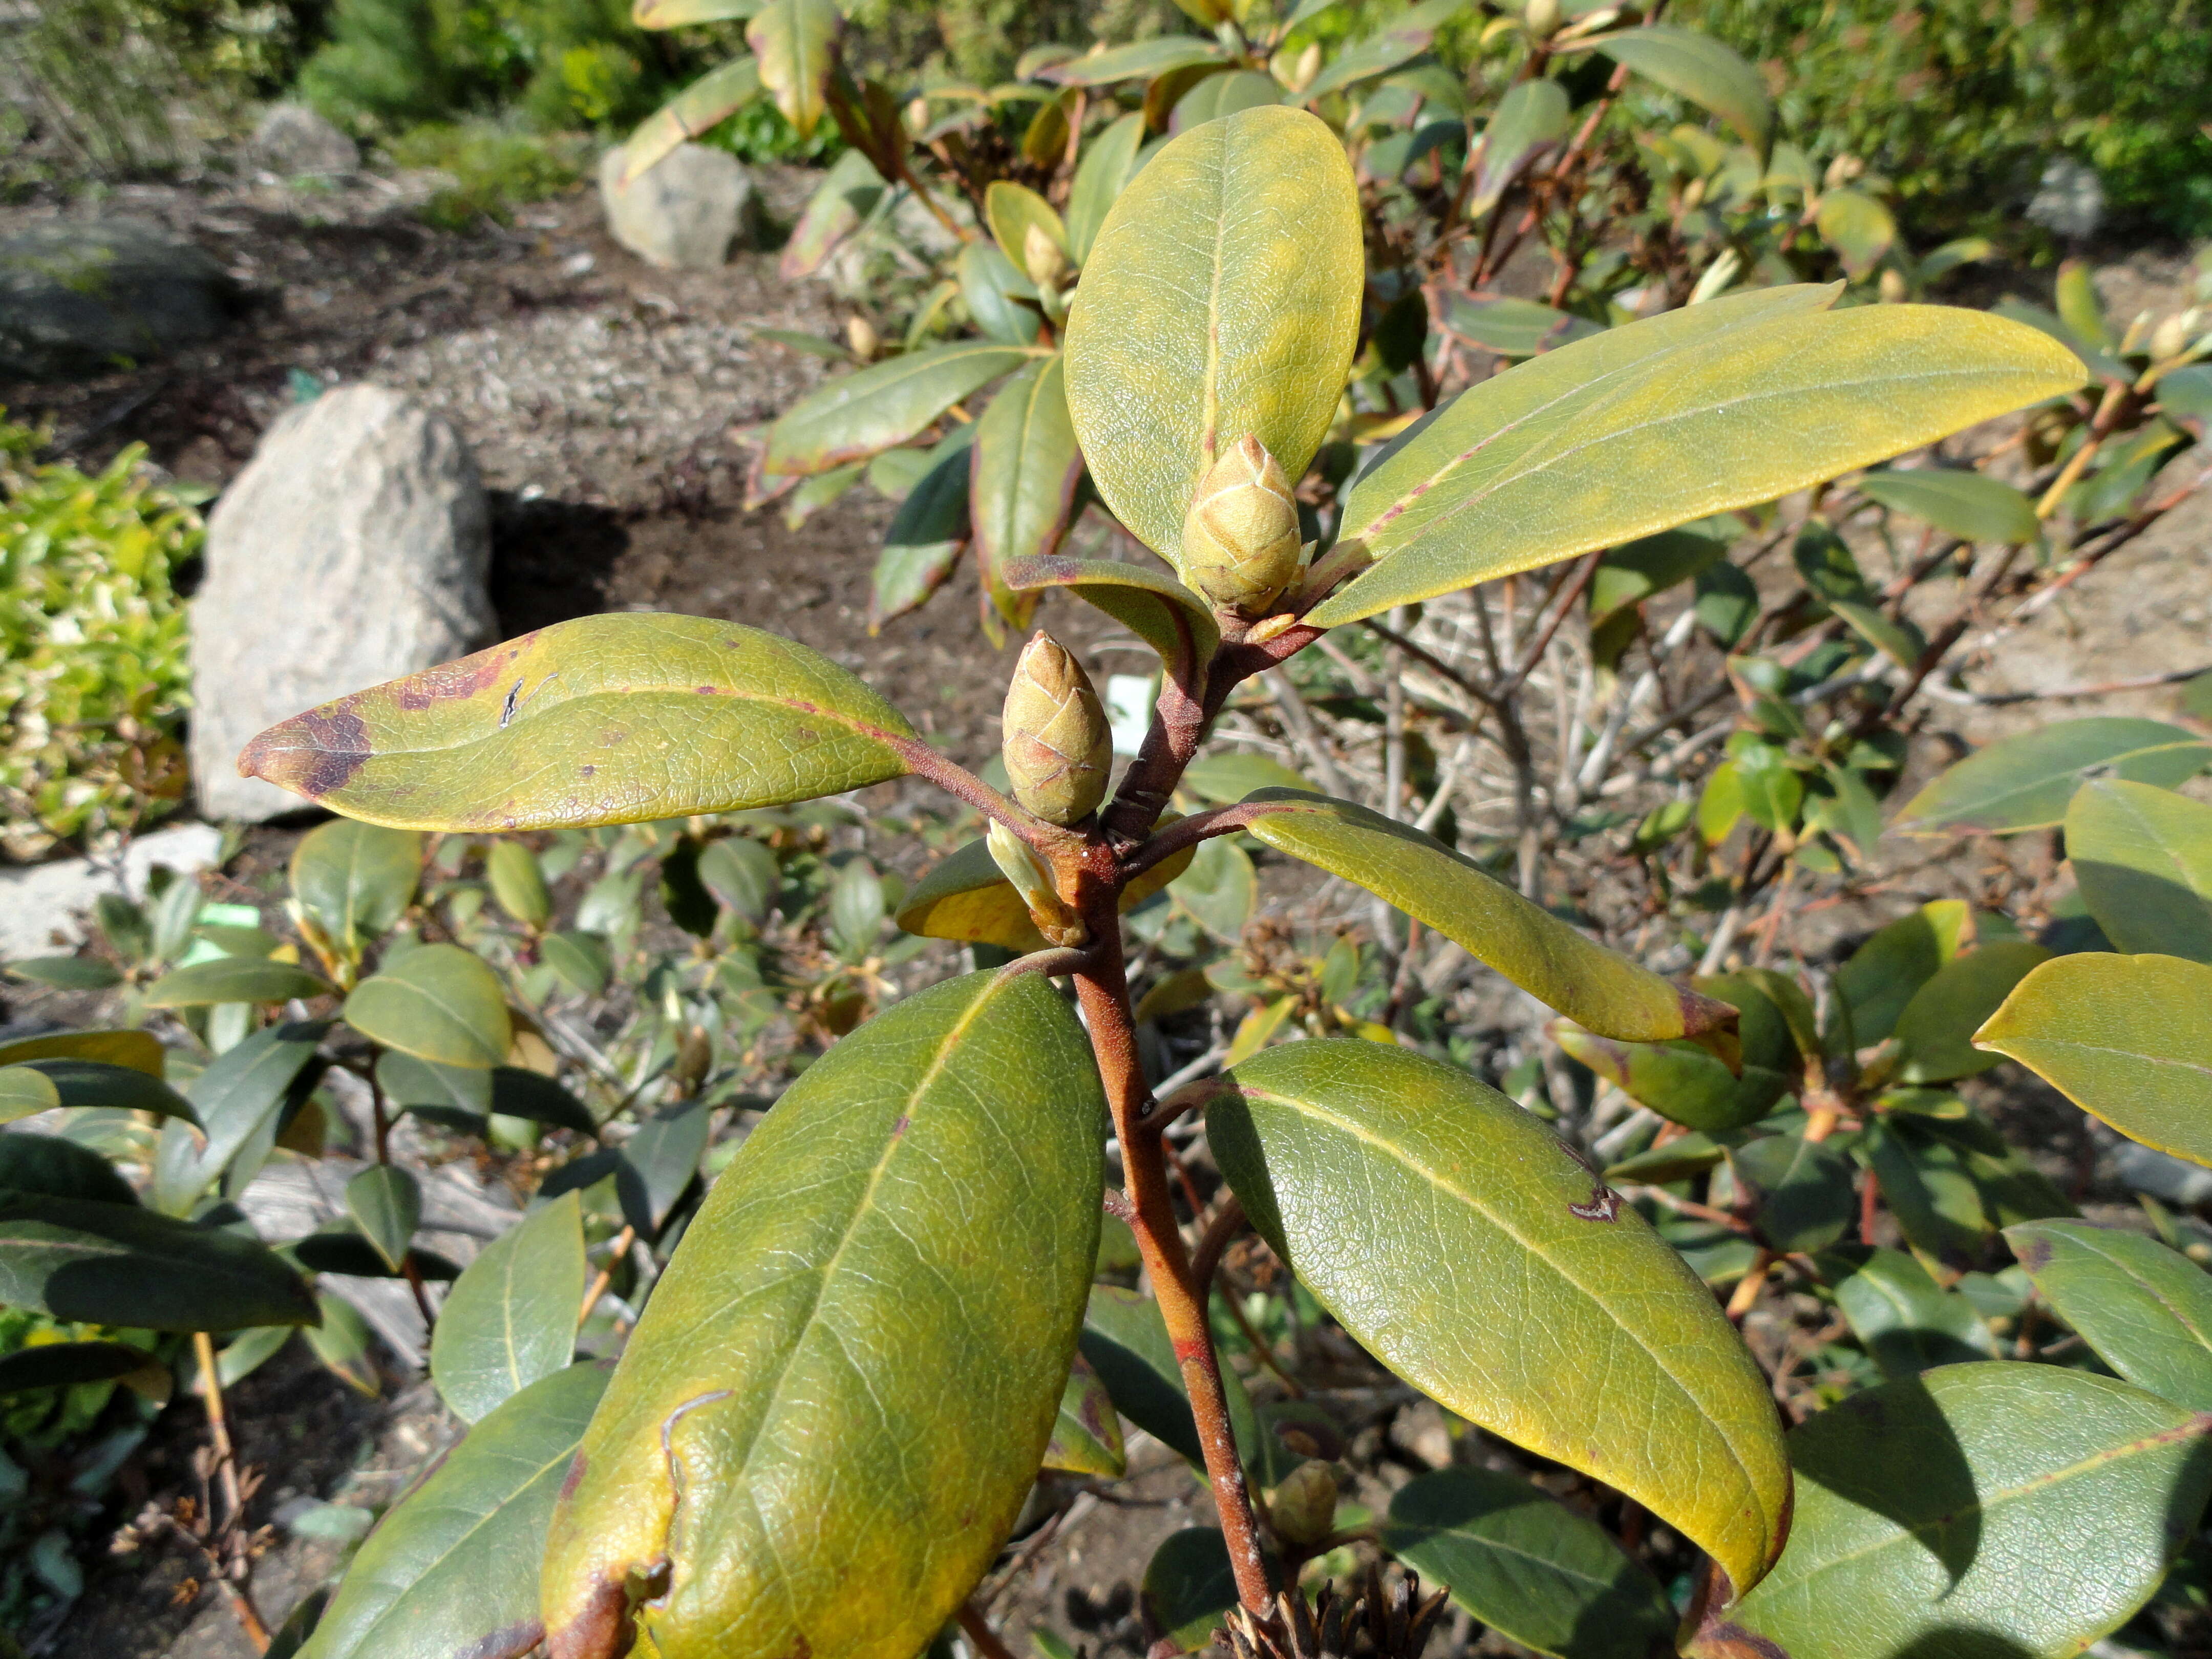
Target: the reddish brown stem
(989, 1644)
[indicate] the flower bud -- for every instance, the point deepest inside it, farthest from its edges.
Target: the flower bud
(1058, 746)
(1240, 539)
(2172, 336)
(1019, 863)
(1541, 18)
(1042, 258)
(861, 335)
(1304, 1506)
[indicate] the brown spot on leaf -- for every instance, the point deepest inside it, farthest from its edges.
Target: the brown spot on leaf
(708, 691)
(510, 1643)
(802, 736)
(464, 676)
(604, 1630)
(2034, 1256)
(575, 1475)
(591, 771)
(310, 754)
(1603, 1205)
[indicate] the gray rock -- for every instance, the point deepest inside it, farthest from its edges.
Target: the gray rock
(685, 213)
(294, 142)
(80, 297)
(352, 549)
(42, 905)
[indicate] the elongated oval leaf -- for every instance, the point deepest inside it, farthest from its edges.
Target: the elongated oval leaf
(511, 1318)
(1884, 973)
(796, 44)
(677, 13)
(1532, 115)
(1963, 504)
(853, 1364)
(1459, 1242)
(116, 1264)
(1086, 1436)
(236, 1098)
(703, 104)
(1010, 210)
(1150, 603)
(2144, 859)
(442, 1003)
(356, 880)
(386, 1202)
(1935, 1032)
(1699, 66)
(1109, 162)
(2127, 1039)
(64, 1364)
(1596, 989)
(140, 1050)
(966, 897)
(854, 416)
(94, 1082)
(1905, 1320)
(1221, 298)
(851, 190)
(606, 719)
(990, 287)
(1983, 1509)
(2026, 782)
(1125, 1339)
(1141, 61)
(1022, 486)
(2146, 1310)
(453, 1570)
(1693, 412)
(928, 533)
(233, 979)
(33, 1162)
(1527, 1565)
(25, 1092)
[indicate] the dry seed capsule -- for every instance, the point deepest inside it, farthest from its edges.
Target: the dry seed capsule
(1240, 539)
(1058, 746)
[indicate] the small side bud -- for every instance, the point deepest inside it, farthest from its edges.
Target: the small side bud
(1304, 1506)
(861, 335)
(1541, 18)
(1240, 539)
(1042, 258)
(1058, 746)
(1892, 287)
(1019, 863)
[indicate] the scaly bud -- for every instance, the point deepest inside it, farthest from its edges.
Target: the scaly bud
(1042, 258)
(1058, 744)
(1240, 539)
(1304, 1506)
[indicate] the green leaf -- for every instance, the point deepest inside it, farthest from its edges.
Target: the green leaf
(571, 726)
(1524, 1563)
(115, 1264)
(518, 884)
(1141, 61)
(1678, 1159)
(656, 1165)
(94, 1083)
(1698, 67)
(868, 1392)
(442, 1003)
(1010, 209)
(927, 532)
(1125, 1339)
(1694, 412)
(415, 1085)
(1022, 487)
(1883, 974)
(1514, 328)
(1086, 1436)
(66, 1365)
(581, 959)
(33, 1162)
(706, 103)
(1935, 1032)
(991, 286)
(386, 1204)
(1833, 576)
(1189, 1586)
(510, 1318)
(676, 14)
(233, 979)
(1903, 1319)
(1992, 1511)
(2145, 1309)
(851, 190)
(24, 1090)
(453, 1568)
(1225, 776)
(1154, 607)
(1630, 575)
(140, 1050)
(355, 880)
(67, 973)
(2144, 859)
(1602, 991)
(1221, 299)
(1857, 226)
(517, 1092)
(1967, 504)
(1930, 1185)
(1802, 1188)
(1679, 1080)
(2127, 1039)
(1404, 38)
(966, 897)
(342, 1342)
(853, 417)
(1109, 162)
(2025, 783)
(1530, 117)
(1551, 1313)
(796, 42)
(1220, 888)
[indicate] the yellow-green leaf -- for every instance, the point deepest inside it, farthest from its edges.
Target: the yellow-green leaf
(1140, 61)
(1086, 1437)
(966, 898)
(703, 104)
(2127, 1039)
(2143, 860)
(1109, 162)
(836, 1399)
(1699, 66)
(1154, 607)
(1696, 411)
(796, 42)
(1457, 1241)
(139, 1050)
(1935, 1032)
(355, 880)
(1011, 208)
(2026, 781)
(510, 1318)
(442, 1003)
(1982, 1509)
(233, 979)
(1595, 986)
(607, 719)
(2143, 1310)
(1958, 503)
(1221, 298)
(1022, 482)
(677, 13)
(853, 417)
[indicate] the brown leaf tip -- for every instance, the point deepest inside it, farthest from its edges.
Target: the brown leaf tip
(310, 754)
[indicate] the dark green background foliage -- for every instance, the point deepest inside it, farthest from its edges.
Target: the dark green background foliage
(1962, 103)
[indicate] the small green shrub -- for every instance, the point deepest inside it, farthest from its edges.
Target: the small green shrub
(495, 168)
(93, 676)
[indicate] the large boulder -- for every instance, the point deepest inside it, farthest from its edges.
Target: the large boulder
(352, 549)
(80, 297)
(685, 212)
(294, 142)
